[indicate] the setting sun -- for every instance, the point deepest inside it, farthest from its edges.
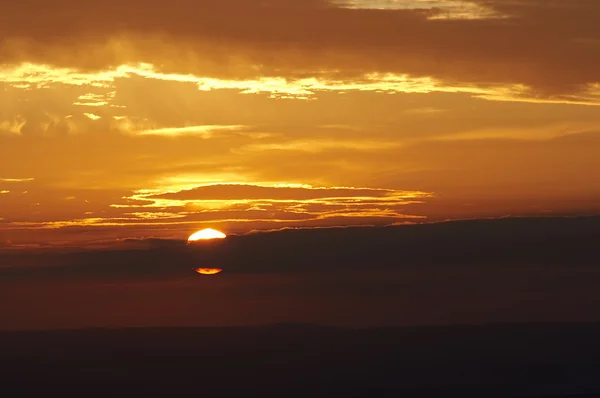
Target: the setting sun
(206, 234)
(209, 271)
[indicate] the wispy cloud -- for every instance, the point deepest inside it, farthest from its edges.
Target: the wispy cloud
(436, 9)
(205, 131)
(264, 206)
(12, 126)
(16, 179)
(277, 87)
(95, 100)
(92, 116)
(318, 145)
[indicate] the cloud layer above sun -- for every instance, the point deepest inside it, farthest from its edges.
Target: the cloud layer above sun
(543, 47)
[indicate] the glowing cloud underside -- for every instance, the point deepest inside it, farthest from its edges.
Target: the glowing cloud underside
(206, 234)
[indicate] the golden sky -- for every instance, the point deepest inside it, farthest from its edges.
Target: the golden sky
(133, 118)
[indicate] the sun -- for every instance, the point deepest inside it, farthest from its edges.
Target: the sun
(206, 234)
(209, 271)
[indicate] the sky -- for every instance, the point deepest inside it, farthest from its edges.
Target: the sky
(135, 119)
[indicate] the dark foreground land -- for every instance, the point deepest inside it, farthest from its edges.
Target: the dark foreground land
(295, 360)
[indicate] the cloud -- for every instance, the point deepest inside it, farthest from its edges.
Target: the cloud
(16, 179)
(234, 207)
(319, 145)
(489, 243)
(92, 116)
(435, 9)
(549, 47)
(28, 76)
(205, 131)
(13, 126)
(285, 205)
(274, 193)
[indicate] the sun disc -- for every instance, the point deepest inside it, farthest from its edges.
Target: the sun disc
(208, 271)
(206, 234)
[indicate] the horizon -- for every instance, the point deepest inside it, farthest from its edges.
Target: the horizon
(113, 244)
(475, 271)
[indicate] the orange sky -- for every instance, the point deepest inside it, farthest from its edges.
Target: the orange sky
(130, 118)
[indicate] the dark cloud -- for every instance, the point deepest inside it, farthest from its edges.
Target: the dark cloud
(472, 244)
(551, 46)
(473, 271)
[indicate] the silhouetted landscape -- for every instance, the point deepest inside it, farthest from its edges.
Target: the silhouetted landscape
(297, 360)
